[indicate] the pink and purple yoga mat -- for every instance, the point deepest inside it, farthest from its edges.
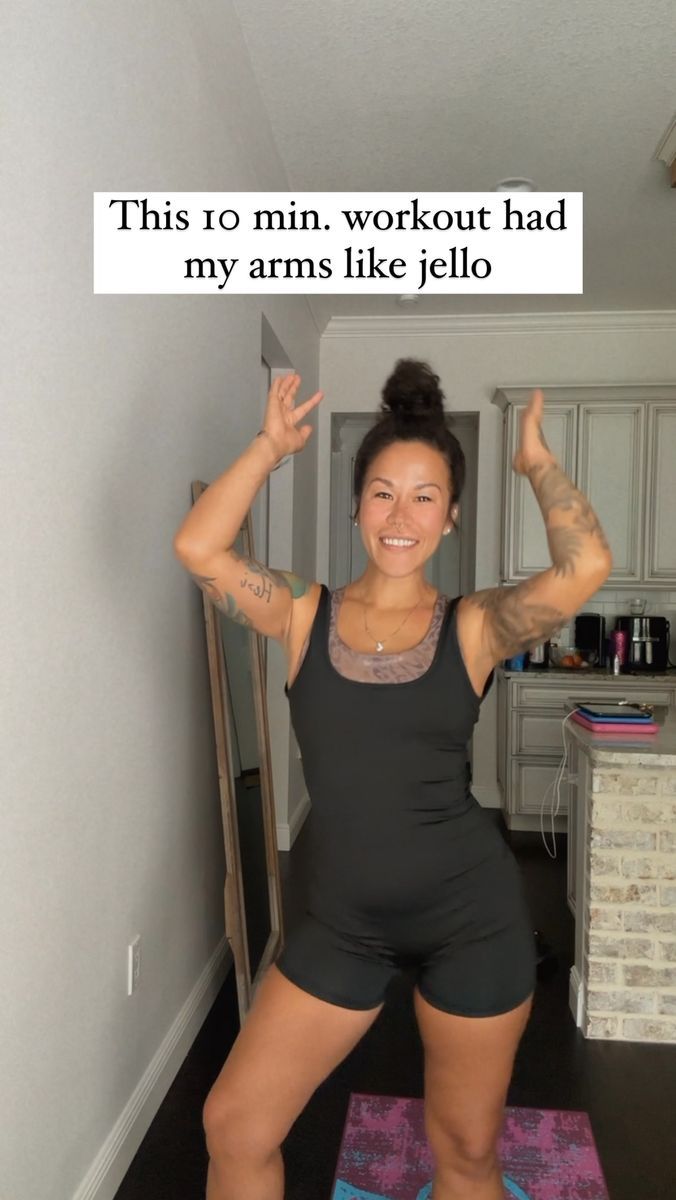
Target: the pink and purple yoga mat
(546, 1153)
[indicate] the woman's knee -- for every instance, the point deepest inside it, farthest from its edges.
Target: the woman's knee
(471, 1151)
(233, 1132)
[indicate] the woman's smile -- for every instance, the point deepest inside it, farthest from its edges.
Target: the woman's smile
(396, 544)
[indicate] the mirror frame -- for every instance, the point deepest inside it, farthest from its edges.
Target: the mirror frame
(234, 900)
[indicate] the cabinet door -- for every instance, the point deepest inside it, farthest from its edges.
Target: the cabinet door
(524, 536)
(659, 563)
(531, 782)
(536, 733)
(611, 443)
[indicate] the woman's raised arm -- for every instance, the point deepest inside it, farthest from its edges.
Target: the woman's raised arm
(508, 620)
(245, 590)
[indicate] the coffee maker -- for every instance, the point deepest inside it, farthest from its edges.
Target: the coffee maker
(647, 643)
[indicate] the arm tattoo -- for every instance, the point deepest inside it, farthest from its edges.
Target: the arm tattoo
(269, 577)
(261, 585)
(223, 600)
(579, 540)
(515, 625)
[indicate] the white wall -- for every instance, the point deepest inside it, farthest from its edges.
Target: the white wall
(471, 366)
(112, 405)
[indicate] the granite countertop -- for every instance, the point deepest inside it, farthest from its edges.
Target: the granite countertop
(595, 673)
(645, 749)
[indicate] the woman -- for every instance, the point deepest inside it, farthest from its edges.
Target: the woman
(385, 682)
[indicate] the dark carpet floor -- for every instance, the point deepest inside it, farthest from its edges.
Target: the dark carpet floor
(629, 1090)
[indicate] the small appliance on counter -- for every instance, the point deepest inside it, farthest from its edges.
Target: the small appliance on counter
(538, 657)
(590, 636)
(647, 643)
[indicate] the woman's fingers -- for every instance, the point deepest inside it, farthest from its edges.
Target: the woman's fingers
(288, 389)
(304, 408)
(284, 389)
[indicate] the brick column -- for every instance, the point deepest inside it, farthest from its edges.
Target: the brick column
(629, 969)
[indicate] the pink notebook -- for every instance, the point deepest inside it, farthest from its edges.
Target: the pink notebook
(620, 728)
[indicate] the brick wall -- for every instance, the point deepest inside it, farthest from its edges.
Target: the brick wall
(629, 969)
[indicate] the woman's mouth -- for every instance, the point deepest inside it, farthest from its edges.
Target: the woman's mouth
(398, 545)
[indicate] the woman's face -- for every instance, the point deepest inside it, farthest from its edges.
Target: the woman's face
(406, 495)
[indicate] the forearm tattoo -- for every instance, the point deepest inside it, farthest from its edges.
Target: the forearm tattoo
(580, 539)
(512, 622)
(257, 579)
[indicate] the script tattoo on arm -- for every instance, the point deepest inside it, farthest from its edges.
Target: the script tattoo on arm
(257, 579)
(574, 544)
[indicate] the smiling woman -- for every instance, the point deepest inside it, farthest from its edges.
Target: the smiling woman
(387, 679)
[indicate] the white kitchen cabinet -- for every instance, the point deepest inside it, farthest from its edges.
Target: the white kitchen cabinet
(617, 443)
(659, 541)
(533, 787)
(531, 709)
(611, 474)
(523, 534)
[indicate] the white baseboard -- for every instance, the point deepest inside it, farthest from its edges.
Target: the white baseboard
(288, 832)
(111, 1164)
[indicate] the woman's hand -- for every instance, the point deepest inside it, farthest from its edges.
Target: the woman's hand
(281, 418)
(533, 449)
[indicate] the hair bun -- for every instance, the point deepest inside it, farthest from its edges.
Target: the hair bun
(412, 392)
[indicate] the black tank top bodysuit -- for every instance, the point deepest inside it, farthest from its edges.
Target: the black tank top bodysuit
(402, 854)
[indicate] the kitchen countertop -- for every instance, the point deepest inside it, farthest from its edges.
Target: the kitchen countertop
(641, 750)
(595, 673)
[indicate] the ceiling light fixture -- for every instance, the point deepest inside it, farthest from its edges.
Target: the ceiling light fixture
(515, 183)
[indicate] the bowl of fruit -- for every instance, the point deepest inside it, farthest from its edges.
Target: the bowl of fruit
(570, 658)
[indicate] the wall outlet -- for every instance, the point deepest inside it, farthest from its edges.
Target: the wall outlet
(133, 964)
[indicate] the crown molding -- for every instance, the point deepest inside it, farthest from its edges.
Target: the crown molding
(660, 320)
(608, 393)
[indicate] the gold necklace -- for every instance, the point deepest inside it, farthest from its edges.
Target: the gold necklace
(380, 644)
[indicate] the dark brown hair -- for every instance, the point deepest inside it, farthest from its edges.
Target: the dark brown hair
(412, 409)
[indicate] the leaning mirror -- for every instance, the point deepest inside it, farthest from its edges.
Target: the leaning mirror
(253, 908)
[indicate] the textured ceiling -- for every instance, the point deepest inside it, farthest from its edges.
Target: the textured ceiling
(454, 95)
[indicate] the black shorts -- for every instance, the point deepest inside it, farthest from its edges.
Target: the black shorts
(476, 969)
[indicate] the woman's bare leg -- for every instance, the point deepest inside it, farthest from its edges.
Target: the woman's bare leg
(289, 1043)
(468, 1067)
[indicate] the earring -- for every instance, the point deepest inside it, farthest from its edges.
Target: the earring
(356, 522)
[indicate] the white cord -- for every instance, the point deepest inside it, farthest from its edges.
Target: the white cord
(557, 785)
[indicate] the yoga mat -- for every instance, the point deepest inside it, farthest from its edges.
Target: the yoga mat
(546, 1153)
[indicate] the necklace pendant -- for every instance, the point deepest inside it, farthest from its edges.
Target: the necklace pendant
(379, 646)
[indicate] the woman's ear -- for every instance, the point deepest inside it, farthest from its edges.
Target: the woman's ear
(453, 518)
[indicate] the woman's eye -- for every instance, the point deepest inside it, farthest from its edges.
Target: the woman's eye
(379, 494)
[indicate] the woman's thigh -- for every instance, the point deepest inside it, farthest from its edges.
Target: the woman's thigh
(289, 1043)
(468, 1067)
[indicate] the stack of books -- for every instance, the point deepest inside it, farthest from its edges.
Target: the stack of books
(615, 718)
